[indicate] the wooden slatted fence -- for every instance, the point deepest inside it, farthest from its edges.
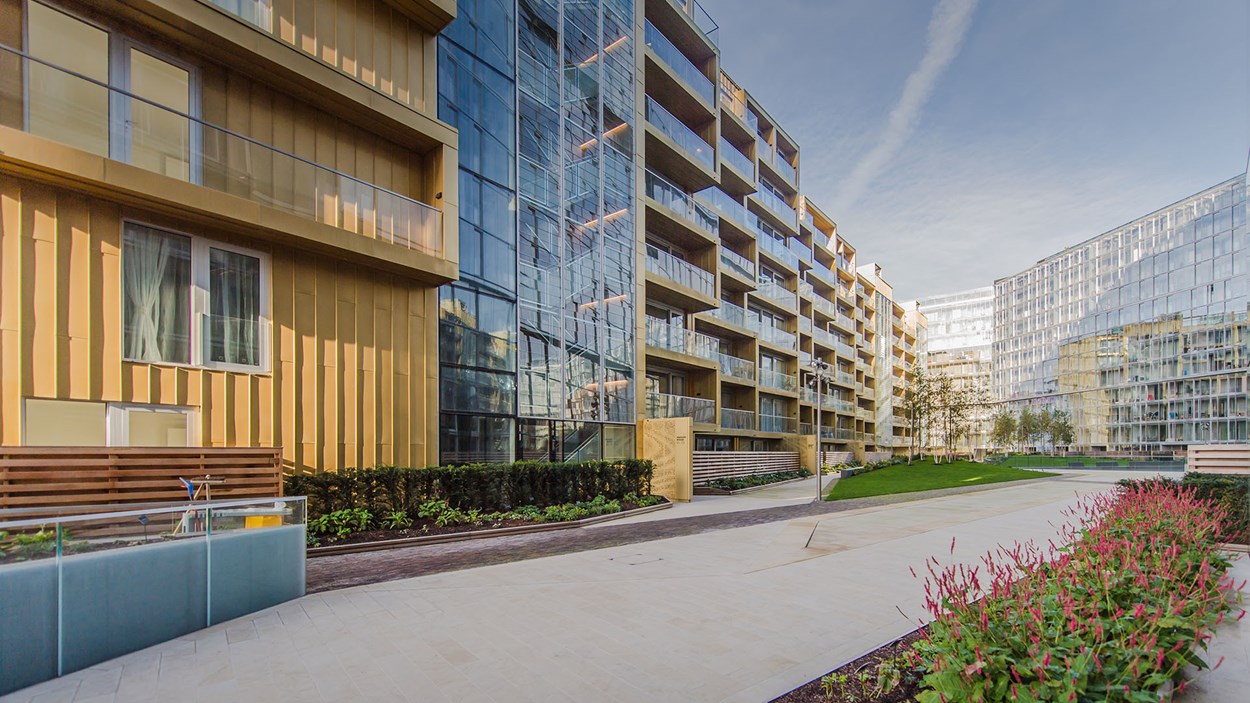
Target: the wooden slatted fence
(63, 477)
(708, 466)
(1220, 459)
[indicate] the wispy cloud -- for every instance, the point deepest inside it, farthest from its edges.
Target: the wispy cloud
(947, 28)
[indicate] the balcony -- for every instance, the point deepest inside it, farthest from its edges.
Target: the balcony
(800, 249)
(679, 63)
(844, 378)
(737, 264)
(778, 337)
(731, 419)
(778, 380)
(778, 294)
(683, 152)
(692, 9)
(669, 405)
(805, 290)
(844, 322)
(731, 211)
(735, 315)
(736, 368)
(778, 251)
(821, 273)
(778, 207)
(824, 307)
(741, 163)
(824, 338)
(844, 350)
(196, 159)
(690, 221)
(778, 423)
(670, 337)
(680, 272)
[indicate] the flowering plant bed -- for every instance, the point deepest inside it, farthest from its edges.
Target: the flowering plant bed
(1120, 614)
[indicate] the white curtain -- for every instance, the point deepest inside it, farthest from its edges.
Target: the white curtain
(156, 272)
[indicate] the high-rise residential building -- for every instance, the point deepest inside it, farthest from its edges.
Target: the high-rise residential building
(642, 249)
(222, 225)
(959, 344)
(1141, 331)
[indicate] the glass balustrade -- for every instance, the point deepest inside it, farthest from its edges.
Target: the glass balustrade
(730, 95)
(701, 18)
(777, 293)
(778, 337)
(192, 150)
(735, 315)
(737, 263)
(670, 405)
(732, 419)
(824, 306)
(666, 335)
(844, 378)
(778, 423)
(725, 205)
(805, 289)
(778, 380)
(679, 62)
(777, 206)
(823, 274)
(676, 130)
(682, 272)
(736, 367)
(680, 202)
(777, 250)
(787, 171)
(735, 158)
(800, 249)
(763, 150)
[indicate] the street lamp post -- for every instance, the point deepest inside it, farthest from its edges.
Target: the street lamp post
(819, 368)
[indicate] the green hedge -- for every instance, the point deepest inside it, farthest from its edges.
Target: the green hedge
(485, 487)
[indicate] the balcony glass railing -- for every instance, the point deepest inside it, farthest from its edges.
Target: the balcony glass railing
(666, 335)
(778, 337)
(735, 315)
(730, 154)
(732, 419)
(255, 12)
(678, 61)
(737, 263)
(669, 405)
(821, 273)
(800, 249)
(777, 293)
(787, 171)
(725, 205)
(701, 18)
(778, 250)
(806, 218)
(805, 325)
(72, 108)
(805, 290)
(777, 206)
(845, 350)
(778, 380)
(824, 306)
(822, 336)
(844, 322)
(682, 272)
(676, 130)
(539, 81)
(763, 150)
(735, 367)
(778, 423)
(680, 202)
(844, 378)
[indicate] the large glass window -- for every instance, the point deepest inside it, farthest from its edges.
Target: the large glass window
(467, 439)
(160, 140)
(170, 280)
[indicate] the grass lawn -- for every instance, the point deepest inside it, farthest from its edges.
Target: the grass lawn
(1061, 461)
(926, 476)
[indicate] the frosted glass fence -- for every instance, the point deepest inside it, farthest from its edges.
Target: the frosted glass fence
(78, 589)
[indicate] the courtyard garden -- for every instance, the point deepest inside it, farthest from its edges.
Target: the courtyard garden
(925, 475)
(391, 503)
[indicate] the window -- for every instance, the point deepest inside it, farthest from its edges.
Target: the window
(150, 426)
(68, 101)
(186, 300)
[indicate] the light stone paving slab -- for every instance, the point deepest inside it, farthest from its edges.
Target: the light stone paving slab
(742, 614)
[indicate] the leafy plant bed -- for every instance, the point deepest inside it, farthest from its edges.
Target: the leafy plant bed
(884, 675)
(435, 526)
(711, 491)
(738, 483)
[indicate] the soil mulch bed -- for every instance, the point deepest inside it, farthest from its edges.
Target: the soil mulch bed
(425, 527)
(856, 690)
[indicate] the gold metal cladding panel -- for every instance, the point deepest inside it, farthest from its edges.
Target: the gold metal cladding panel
(667, 442)
(354, 361)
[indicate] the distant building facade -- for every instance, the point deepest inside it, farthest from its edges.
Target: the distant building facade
(959, 344)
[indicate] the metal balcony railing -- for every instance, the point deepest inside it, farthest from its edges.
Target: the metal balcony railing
(678, 271)
(189, 149)
(732, 419)
(779, 380)
(679, 62)
(676, 130)
(669, 405)
(680, 202)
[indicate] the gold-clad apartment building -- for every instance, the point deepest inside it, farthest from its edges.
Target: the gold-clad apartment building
(223, 223)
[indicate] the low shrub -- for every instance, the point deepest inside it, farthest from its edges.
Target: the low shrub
(341, 523)
(737, 483)
(1113, 617)
(1232, 493)
(385, 490)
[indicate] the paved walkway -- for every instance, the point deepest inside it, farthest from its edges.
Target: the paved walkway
(741, 614)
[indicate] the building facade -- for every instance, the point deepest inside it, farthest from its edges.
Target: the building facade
(667, 263)
(959, 344)
(224, 224)
(1139, 332)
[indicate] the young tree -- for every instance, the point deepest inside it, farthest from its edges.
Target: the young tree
(1061, 429)
(1003, 428)
(1026, 427)
(918, 408)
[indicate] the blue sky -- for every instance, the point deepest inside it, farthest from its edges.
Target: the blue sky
(959, 146)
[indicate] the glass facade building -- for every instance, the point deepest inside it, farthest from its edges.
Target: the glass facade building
(1152, 310)
(959, 344)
